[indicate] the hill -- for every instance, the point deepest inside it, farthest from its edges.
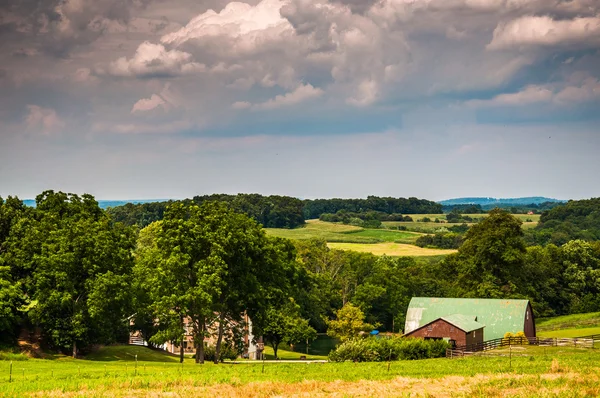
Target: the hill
(483, 201)
(105, 204)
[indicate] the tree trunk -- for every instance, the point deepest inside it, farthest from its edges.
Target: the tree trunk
(182, 339)
(74, 349)
(275, 345)
(219, 338)
(199, 341)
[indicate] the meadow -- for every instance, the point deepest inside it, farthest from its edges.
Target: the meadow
(555, 371)
(387, 240)
(334, 232)
(430, 227)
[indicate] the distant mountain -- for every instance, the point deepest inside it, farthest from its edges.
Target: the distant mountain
(108, 203)
(505, 201)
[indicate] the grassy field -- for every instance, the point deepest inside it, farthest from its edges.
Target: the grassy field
(333, 232)
(575, 321)
(431, 227)
(577, 332)
(556, 371)
(379, 241)
(390, 249)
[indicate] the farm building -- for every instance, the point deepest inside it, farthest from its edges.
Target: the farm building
(476, 319)
(457, 329)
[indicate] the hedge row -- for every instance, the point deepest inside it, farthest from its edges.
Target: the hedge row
(374, 349)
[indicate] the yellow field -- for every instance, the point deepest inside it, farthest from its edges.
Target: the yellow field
(390, 249)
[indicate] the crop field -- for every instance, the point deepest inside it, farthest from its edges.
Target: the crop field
(555, 371)
(390, 249)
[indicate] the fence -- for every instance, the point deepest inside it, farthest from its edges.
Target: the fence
(466, 350)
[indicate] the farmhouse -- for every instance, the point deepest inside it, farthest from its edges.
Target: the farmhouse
(467, 321)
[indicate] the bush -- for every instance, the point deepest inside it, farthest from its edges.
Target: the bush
(12, 356)
(227, 352)
(373, 349)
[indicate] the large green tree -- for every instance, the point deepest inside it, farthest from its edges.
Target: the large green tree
(283, 324)
(490, 262)
(75, 264)
(209, 260)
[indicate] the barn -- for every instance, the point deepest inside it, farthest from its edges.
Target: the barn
(457, 329)
(476, 319)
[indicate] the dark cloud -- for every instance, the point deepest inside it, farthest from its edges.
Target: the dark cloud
(59, 25)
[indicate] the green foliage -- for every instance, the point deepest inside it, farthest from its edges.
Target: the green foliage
(12, 356)
(73, 264)
(489, 263)
(314, 208)
(447, 240)
(374, 349)
(285, 325)
(349, 323)
(577, 219)
(226, 352)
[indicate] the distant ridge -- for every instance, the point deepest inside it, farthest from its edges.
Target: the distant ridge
(108, 203)
(483, 201)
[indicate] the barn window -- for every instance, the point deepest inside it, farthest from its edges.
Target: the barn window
(429, 328)
(452, 328)
(527, 315)
(474, 333)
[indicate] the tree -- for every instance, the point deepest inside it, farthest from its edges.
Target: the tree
(489, 263)
(349, 323)
(209, 260)
(75, 264)
(284, 325)
(11, 289)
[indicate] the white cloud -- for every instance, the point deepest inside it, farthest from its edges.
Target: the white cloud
(166, 99)
(302, 93)
(44, 119)
(147, 104)
(543, 31)
(236, 20)
(172, 127)
(155, 60)
(588, 90)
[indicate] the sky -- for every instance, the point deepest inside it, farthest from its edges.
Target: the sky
(141, 99)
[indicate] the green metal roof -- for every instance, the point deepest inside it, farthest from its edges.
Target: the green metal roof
(464, 322)
(498, 315)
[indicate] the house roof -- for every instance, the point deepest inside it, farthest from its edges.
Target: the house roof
(498, 315)
(466, 323)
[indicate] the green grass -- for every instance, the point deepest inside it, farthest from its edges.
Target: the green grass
(129, 352)
(431, 227)
(335, 232)
(568, 322)
(570, 372)
(287, 354)
(576, 332)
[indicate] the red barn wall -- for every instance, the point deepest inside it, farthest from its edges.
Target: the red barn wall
(441, 329)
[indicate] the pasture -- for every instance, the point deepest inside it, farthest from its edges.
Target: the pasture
(553, 371)
(387, 240)
(334, 232)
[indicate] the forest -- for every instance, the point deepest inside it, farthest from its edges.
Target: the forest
(78, 275)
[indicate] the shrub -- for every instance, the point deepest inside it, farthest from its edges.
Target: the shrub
(227, 352)
(12, 356)
(373, 349)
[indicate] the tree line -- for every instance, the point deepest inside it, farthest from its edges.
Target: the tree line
(282, 211)
(71, 272)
